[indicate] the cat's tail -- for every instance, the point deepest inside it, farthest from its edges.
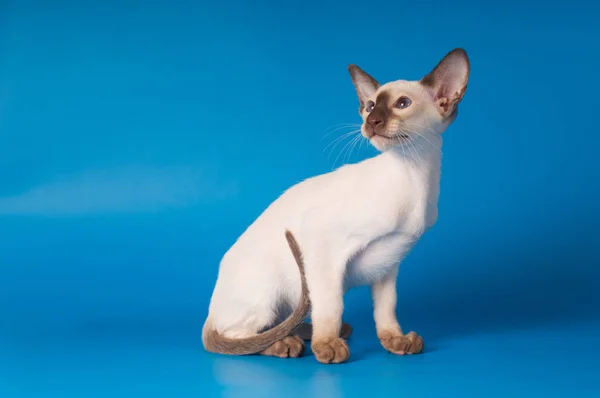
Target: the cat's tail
(216, 343)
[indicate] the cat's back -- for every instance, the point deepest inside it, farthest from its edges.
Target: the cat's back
(287, 212)
(318, 190)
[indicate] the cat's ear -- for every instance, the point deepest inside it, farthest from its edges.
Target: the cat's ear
(447, 82)
(364, 84)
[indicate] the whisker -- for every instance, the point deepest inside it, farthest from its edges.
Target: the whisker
(426, 127)
(349, 152)
(341, 127)
(422, 136)
(410, 150)
(339, 139)
(416, 151)
(337, 157)
(361, 144)
(357, 139)
(417, 143)
(402, 146)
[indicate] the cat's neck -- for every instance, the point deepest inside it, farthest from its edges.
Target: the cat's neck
(424, 154)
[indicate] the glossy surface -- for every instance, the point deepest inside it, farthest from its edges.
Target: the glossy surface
(139, 139)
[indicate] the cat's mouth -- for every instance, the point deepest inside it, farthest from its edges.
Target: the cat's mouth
(395, 137)
(384, 142)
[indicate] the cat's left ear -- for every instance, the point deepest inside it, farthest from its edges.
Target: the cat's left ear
(364, 84)
(448, 81)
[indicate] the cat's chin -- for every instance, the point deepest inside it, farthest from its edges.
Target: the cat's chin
(382, 143)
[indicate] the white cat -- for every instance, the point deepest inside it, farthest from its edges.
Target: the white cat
(353, 226)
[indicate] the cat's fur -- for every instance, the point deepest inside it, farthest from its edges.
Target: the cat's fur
(214, 342)
(354, 225)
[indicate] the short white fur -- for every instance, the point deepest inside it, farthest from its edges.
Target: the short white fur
(354, 225)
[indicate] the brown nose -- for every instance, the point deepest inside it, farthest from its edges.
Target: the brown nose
(374, 120)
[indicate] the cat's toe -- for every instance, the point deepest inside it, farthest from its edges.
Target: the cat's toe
(400, 344)
(295, 346)
(331, 351)
(289, 347)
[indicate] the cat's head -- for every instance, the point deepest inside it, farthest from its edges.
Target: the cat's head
(397, 112)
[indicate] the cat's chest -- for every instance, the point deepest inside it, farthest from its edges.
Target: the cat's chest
(414, 211)
(413, 205)
(377, 260)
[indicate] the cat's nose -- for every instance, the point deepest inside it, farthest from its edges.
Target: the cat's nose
(374, 120)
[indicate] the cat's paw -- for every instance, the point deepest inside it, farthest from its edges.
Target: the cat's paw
(399, 344)
(331, 350)
(289, 347)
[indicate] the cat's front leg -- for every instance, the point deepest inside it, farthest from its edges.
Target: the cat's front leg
(388, 329)
(325, 284)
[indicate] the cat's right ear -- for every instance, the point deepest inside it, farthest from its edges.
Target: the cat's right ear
(364, 84)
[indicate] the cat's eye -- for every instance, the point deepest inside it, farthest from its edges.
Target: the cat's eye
(370, 106)
(403, 103)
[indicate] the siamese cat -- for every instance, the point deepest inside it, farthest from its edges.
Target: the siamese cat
(347, 228)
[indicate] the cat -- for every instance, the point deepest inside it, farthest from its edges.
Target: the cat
(347, 228)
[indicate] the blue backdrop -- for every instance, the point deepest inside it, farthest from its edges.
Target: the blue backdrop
(139, 139)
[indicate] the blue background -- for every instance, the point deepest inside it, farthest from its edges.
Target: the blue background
(139, 139)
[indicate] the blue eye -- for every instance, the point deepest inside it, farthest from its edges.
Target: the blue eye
(403, 102)
(370, 106)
